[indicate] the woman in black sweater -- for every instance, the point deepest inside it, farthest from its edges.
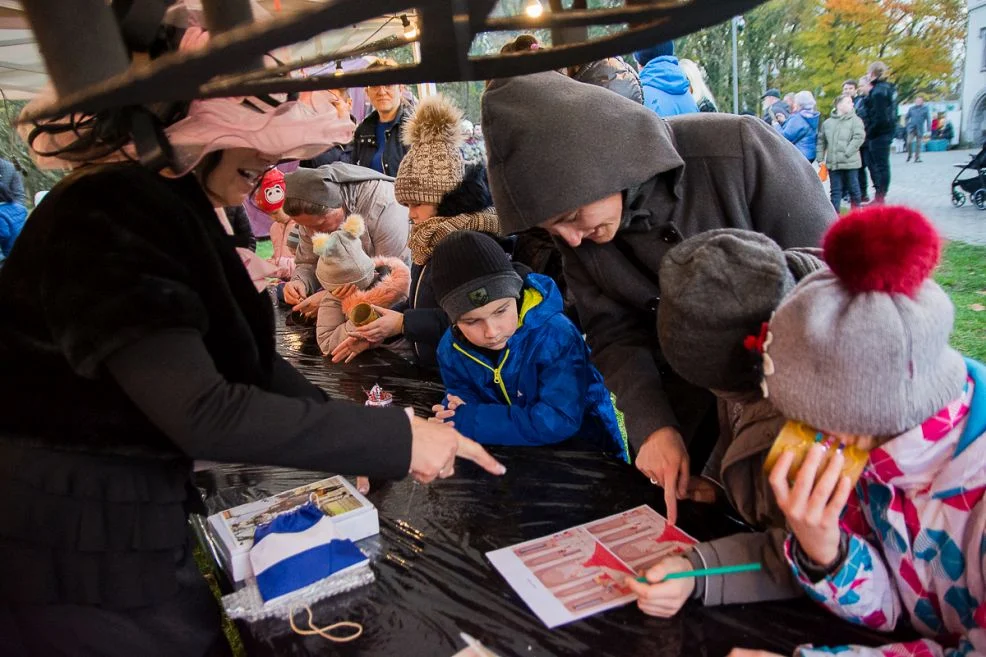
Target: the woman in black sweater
(133, 340)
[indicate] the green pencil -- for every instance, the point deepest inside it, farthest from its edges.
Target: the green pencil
(703, 572)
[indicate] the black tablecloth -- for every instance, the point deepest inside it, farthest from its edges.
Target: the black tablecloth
(433, 580)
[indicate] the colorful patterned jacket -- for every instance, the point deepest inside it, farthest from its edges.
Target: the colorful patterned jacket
(917, 546)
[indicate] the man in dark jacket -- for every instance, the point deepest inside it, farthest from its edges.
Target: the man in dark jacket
(880, 123)
(615, 211)
(377, 143)
(770, 98)
(917, 124)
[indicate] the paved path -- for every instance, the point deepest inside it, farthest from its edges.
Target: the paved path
(926, 186)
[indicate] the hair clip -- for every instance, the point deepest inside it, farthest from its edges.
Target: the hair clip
(757, 342)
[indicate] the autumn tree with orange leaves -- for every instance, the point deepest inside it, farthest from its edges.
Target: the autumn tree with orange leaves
(919, 40)
(818, 44)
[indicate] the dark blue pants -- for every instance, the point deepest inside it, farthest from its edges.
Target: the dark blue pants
(842, 181)
(864, 181)
(880, 164)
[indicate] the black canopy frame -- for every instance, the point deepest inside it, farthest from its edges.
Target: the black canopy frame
(86, 58)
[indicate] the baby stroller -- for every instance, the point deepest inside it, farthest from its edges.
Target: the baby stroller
(974, 186)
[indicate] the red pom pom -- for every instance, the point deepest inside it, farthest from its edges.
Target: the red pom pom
(889, 249)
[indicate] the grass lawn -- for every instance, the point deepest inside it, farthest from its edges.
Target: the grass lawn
(962, 274)
(208, 570)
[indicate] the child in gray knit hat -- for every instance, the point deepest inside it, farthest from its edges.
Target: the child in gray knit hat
(860, 353)
(352, 278)
(718, 290)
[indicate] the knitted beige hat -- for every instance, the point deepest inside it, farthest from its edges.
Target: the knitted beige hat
(433, 165)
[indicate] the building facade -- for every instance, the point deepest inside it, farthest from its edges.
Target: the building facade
(973, 129)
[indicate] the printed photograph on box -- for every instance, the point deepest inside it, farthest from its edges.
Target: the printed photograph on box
(581, 571)
(333, 496)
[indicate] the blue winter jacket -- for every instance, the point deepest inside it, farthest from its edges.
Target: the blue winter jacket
(12, 217)
(666, 87)
(544, 389)
(802, 131)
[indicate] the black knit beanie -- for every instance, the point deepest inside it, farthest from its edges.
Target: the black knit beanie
(469, 270)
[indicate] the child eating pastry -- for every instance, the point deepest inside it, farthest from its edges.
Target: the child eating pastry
(516, 370)
(861, 354)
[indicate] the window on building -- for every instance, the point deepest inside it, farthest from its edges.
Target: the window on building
(982, 37)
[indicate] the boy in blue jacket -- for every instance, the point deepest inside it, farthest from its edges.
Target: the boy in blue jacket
(516, 370)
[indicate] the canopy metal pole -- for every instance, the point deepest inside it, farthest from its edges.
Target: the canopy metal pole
(225, 15)
(425, 89)
(735, 22)
(64, 30)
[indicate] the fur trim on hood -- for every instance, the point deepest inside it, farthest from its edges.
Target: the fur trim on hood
(472, 194)
(389, 288)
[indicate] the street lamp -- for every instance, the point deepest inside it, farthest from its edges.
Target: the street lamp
(736, 26)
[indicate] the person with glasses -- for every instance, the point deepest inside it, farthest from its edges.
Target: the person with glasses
(377, 143)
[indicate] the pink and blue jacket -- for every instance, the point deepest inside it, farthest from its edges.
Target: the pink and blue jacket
(917, 546)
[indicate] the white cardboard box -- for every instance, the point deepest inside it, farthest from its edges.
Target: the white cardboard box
(352, 515)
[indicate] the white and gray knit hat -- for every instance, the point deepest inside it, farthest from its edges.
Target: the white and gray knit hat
(862, 348)
(341, 258)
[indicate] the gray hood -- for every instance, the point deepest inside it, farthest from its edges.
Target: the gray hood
(321, 185)
(555, 144)
(343, 172)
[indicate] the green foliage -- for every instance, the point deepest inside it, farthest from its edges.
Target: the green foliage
(13, 148)
(818, 44)
(766, 51)
(466, 95)
(918, 39)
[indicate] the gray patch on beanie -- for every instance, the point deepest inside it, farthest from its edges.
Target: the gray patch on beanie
(469, 270)
(717, 288)
(479, 292)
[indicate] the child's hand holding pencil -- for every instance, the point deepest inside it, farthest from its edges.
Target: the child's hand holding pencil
(665, 588)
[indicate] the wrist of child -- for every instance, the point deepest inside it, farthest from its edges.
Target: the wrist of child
(695, 559)
(815, 571)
